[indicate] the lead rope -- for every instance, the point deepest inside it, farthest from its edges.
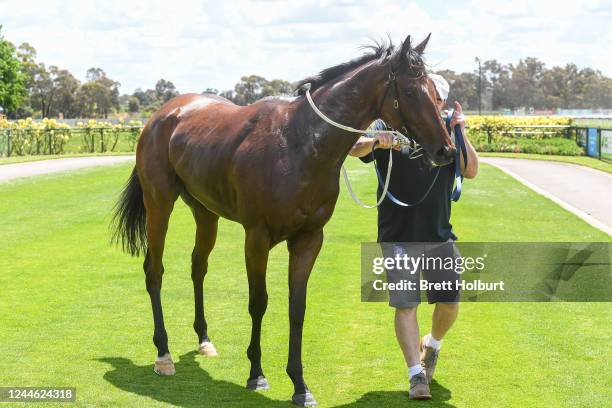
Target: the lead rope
(398, 138)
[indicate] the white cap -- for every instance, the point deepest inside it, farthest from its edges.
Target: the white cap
(441, 84)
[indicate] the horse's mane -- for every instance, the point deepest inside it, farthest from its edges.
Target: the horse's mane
(379, 49)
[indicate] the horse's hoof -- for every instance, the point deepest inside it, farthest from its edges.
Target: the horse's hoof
(304, 400)
(258, 384)
(207, 349)
(164, 365)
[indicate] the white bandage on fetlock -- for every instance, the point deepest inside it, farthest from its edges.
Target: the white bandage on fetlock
(164, 365)
(206, 348)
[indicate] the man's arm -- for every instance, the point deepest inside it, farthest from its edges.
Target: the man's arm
(472, 167)
(365, 144)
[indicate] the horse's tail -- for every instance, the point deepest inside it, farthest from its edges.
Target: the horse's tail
(130, 218)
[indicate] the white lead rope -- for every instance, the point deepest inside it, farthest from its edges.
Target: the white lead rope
(398, 138)
(385, 188)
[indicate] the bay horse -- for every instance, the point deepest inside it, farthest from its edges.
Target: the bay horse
(273, 166)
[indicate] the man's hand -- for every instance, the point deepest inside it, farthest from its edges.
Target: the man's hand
(472, 168)
(458, 118)
(384, 141)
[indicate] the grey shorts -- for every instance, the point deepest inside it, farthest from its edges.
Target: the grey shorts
(407, 298)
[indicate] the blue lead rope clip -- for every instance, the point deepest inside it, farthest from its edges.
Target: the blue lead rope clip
(461, 149)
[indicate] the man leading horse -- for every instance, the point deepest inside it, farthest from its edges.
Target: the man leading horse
(428, 220)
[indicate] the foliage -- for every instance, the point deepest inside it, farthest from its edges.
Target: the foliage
(98, 96)
(500, 134)
(555, 146)
(529, 83)
(104, 136)
(12, 87)
(254, 87)
(29, 137)
(165, 90)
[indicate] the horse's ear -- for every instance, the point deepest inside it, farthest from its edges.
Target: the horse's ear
(421, 47)
(406, 45)
(404, 50)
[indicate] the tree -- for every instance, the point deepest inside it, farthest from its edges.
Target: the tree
(525, 88)
(65, 88)
(497, 77)
(463, 88)
(99, 95)
(165, 90)
(249, 89)
(12, 78)
(133, 104)
(254, 87)
(145, 98)
(95, 73)
(277, 87)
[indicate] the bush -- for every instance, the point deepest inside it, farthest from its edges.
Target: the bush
(29, 137)
(493, 134)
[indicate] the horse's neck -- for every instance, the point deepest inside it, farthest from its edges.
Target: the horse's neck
(350, 103)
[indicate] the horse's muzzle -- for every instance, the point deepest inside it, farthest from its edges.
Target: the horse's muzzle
(445, 155)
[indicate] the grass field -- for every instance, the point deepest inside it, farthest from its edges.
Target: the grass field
(74, 311)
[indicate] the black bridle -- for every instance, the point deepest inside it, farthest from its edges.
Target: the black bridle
(392, 80)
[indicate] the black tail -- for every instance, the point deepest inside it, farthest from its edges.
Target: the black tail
(130, 218)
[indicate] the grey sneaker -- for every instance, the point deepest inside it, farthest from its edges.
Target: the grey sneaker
(429, 359)
(419, 388)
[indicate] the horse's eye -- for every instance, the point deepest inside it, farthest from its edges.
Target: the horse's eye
(409, 92)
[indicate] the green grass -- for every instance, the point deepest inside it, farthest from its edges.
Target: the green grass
(74, 311)
(549, 146)
(605, 123)
(581, 160)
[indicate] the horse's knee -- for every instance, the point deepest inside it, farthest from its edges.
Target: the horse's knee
(258, 305)
(153, 274)
(294, 370)
(198, 267)
(296, 315)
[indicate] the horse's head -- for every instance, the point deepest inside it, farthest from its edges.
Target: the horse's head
(408, 102)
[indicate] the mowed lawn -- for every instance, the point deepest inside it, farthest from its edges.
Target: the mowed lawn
(74, 311)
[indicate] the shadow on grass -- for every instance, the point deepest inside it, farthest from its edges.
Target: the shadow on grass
(190, 387)
(390, 399)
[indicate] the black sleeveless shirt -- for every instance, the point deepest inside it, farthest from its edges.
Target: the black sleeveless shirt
(428, 221)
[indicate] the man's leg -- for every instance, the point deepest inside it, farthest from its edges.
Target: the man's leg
(444, 316)
(407, 333)
(446, 309)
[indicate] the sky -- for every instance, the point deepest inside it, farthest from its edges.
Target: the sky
(211, 44)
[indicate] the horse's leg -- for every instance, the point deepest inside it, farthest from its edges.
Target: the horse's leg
(206, 234)
(303, 251)
(257, 246)
(159, 207)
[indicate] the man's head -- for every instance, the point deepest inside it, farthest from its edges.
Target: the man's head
(442, 89)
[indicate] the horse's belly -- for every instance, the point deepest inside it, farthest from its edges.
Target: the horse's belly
(204, 178)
